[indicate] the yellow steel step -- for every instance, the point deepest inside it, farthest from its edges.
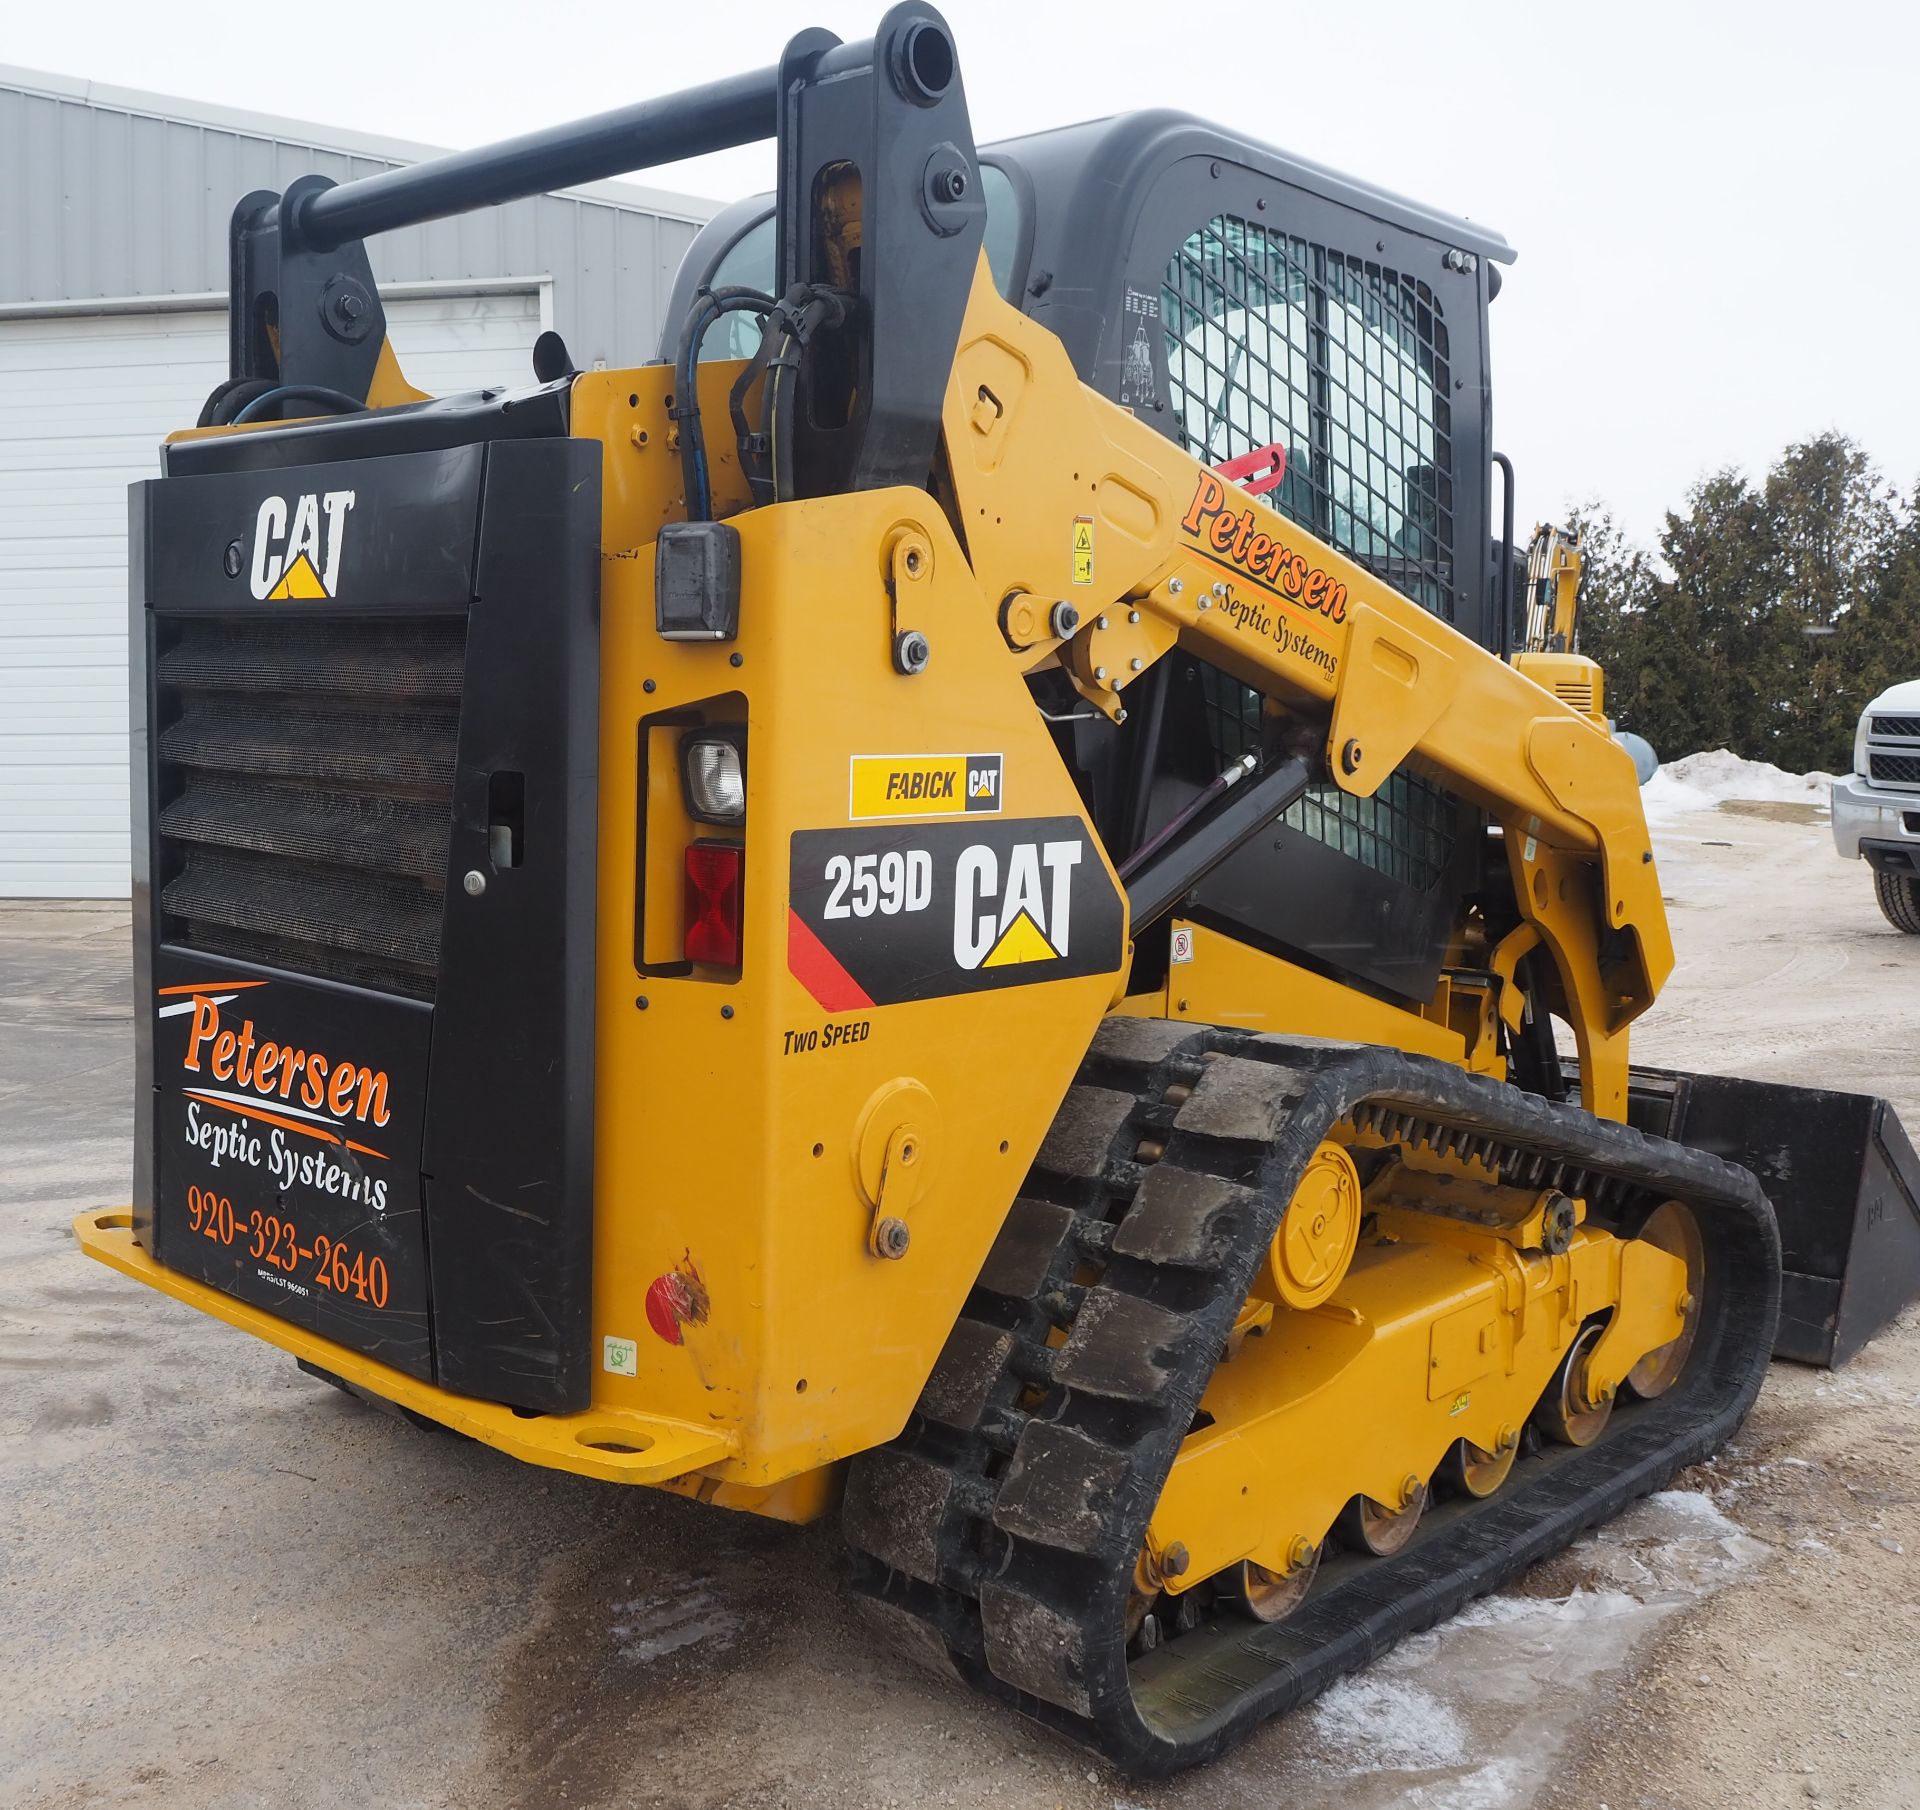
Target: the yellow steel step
(614, 1444)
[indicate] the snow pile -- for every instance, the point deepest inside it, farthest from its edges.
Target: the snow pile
(1700, 782)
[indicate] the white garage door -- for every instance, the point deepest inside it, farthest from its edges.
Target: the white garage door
(84, 402)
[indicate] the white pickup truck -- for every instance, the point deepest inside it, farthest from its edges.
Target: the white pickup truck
(1876, 808)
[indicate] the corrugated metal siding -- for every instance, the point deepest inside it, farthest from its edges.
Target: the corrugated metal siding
(84, 403)
(114, 196)
(107, 201)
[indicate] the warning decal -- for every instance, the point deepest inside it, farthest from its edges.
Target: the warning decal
(883, 915)
(1083, 549)
(1141, 312)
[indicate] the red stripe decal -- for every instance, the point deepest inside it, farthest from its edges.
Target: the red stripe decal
(818, 969)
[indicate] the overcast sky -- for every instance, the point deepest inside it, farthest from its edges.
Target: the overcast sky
(1713, 203)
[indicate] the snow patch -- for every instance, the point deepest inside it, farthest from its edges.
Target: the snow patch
(1493, 1786)
(1380, 1723)
(1695, 1505)
(1469, 1715)
(1700, 782)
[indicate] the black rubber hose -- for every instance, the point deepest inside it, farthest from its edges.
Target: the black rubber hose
(780, 385)
(805, 311)
(228, 397)
(755, 463)
(338, 400)
(707, 308)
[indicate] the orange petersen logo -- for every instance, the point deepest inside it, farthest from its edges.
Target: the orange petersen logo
(1242, 540)
(315, 1095)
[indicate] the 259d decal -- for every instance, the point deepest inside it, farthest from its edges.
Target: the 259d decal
(885, 915)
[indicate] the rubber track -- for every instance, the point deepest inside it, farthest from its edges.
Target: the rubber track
(997, 1535)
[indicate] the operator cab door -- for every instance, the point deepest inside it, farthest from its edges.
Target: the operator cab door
(1260, 324)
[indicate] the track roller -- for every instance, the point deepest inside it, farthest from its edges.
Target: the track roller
(1270, 1596)
(1370, 1526)
(1473, 1471)
(1674, 1229)
(1568, 1413)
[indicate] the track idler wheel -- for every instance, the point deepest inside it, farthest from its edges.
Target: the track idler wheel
(1370, 1526)
(1317, 1236)
(1471, 1470)
(1568, 1413)
(1672, 1228)
(1270, 1596)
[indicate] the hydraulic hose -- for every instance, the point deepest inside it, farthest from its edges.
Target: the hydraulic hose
(709, 306)
(338, 400)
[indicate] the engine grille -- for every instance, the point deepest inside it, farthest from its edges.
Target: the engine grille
(1893, 769)
(1894, 725)
(306, 785)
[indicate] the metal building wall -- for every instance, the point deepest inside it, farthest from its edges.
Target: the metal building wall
(111, 194)
(113, 276)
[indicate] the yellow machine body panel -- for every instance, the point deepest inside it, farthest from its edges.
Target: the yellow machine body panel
(744, 1128)
(1578, 682)
(1214, 978)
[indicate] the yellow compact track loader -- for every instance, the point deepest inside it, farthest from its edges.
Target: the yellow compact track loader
(946, 906)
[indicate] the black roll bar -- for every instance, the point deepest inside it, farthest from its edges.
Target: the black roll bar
(716, 116)
(880, 123)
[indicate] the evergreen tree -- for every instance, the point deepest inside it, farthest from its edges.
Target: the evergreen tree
(1835, 526)
(1771, 614)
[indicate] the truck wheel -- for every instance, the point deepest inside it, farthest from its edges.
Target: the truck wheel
(1899, 896)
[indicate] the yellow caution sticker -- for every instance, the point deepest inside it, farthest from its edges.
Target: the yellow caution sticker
(1083, 549)
(923, 785)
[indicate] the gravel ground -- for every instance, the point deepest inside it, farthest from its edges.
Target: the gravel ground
(221, 1584)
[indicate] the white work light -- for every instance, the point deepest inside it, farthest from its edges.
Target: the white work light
(715, 767)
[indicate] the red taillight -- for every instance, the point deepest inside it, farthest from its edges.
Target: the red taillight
(713, 904)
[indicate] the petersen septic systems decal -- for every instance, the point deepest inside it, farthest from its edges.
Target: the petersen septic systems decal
(881, 916)
(1266, 572)
(287, 1140)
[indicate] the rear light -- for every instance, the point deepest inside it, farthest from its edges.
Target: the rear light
(713, 903)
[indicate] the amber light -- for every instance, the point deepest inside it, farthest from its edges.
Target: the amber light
(713, 903)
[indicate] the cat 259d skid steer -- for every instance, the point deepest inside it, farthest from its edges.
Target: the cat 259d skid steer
(946, 906)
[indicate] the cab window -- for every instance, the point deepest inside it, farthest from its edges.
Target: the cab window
(1341, 362)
